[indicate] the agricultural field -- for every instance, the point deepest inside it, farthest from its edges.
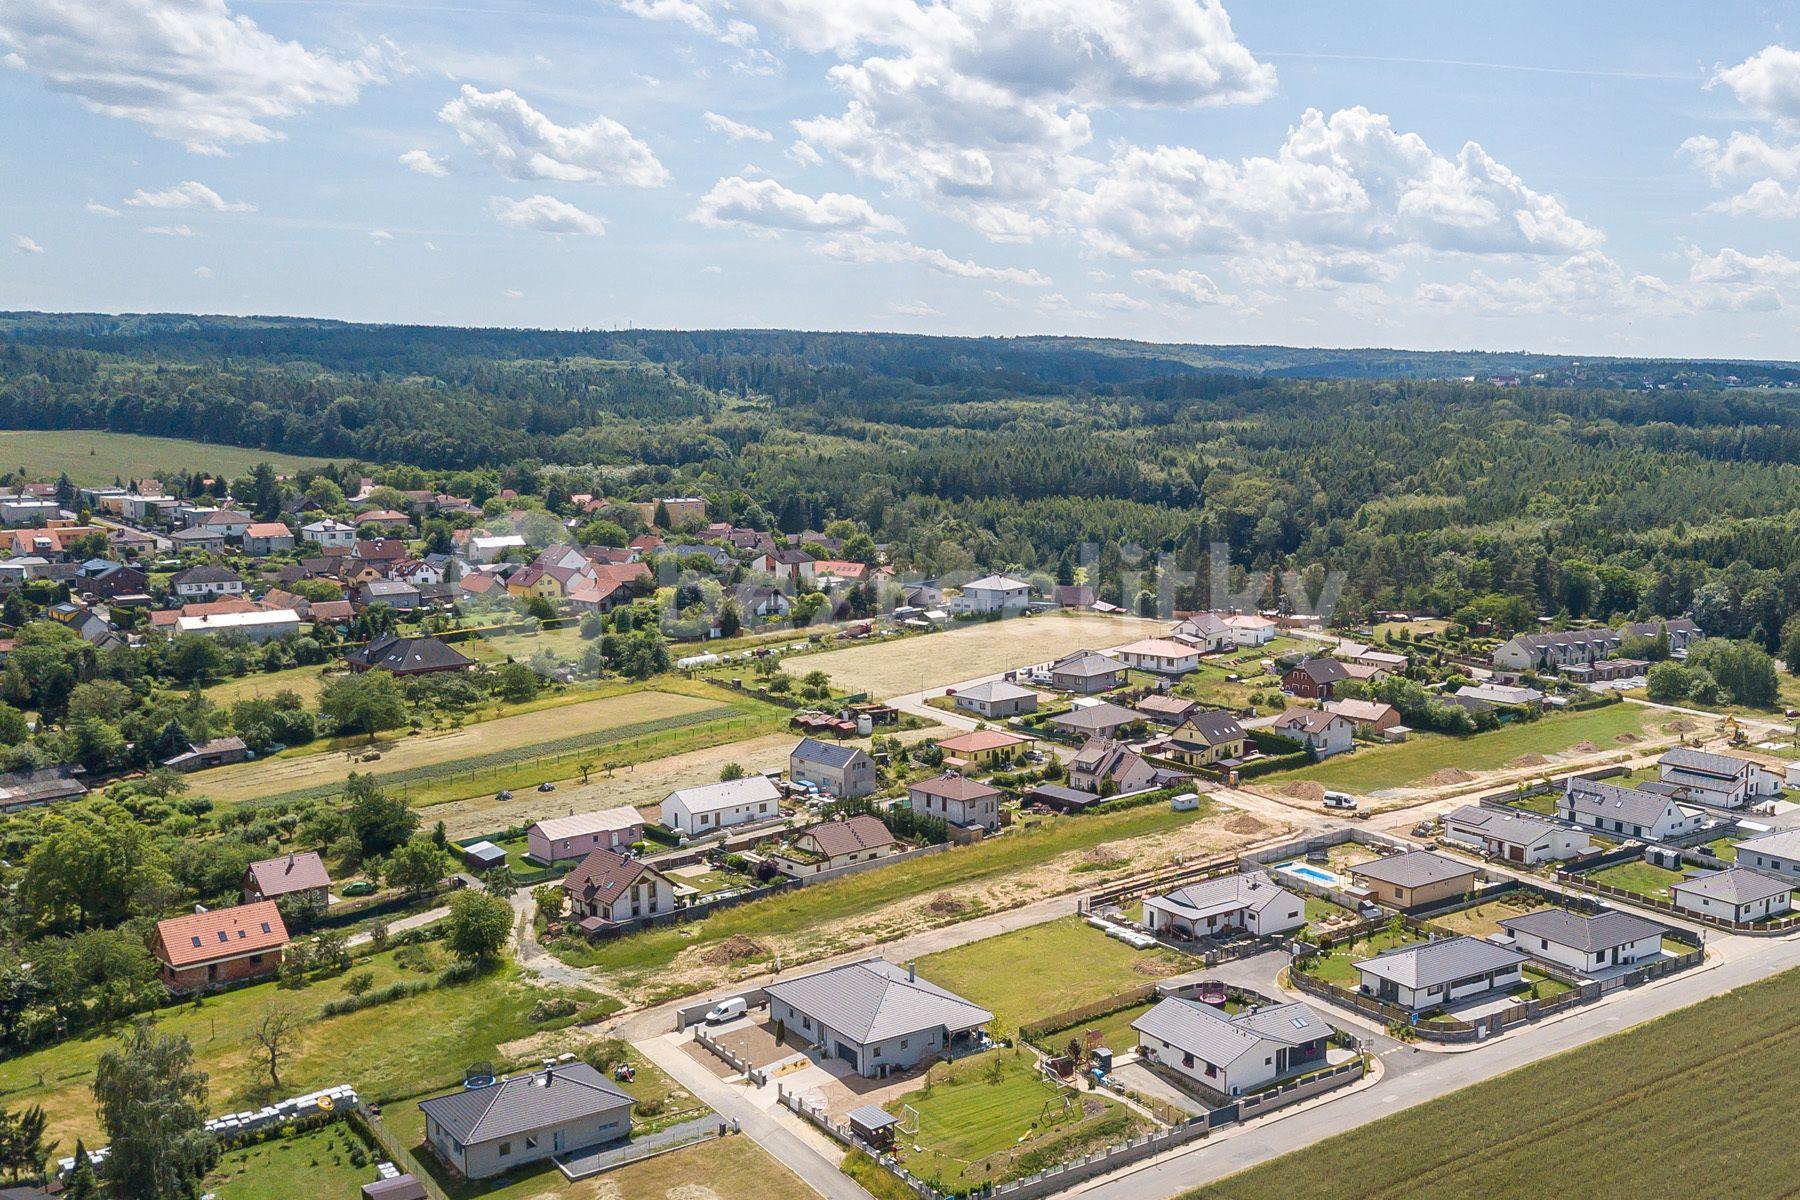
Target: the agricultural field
(90, 457)
(1427, 760)
(315, 1165)
(1017, 868)
(993, 1117)
(898, 666)
(1703, 1075)
(1037, 972)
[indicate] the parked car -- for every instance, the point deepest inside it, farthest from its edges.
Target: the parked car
(503, 795)
(727, 1010)
(546, 787)
(1339, 800)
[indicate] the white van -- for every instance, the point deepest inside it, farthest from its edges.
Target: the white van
(1339, 800)
(727, 1010)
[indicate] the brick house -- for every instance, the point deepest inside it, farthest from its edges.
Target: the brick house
(210, 949)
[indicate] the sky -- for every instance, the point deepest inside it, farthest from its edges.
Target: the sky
(1601, 178)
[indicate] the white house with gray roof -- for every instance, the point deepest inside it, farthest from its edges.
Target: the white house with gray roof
(993, 594)
(997, 698)
(1232, 1055)
(1737, 894)
(878, 1017)
(1438, 973)
(483, 1132)
(1625, 812)
(1721, 780)
(1776, 853)
(1591, 944)
(697, 811)
(1513, 836)
(844, 771)
(1249, 901)
(1086, 672)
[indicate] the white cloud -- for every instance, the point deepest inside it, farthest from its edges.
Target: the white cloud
(857, 248)
(1729, 266)
(765, 204)
(169, 230)
(513, 294)
(1742, 154)
(191, 71)
(1590, 286)
(1768, 84)
(545, 214)
(422, 162)
(203, 273)
(737, 131)
(1347, 181)
(1120, 302)
(523, 144)
(25, 245)
(916, 308)
(1295, 265)
(188, 196)
(1000, 298)
(380, 235)
(103, 210)
(1189, 287)
(1766, 198)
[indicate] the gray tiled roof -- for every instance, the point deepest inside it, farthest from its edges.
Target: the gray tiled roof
(1601, 931)
(1215, 727)
(1415, 868)
(1783, 843)
(1738, 885)
(1446, 960)
(827, 754)
(1087, 662)
(1210, 1035)
(1596, 799)
(1096, 717)
(1251, 889)
(525, 1103)
(994, 691)
(1706, 763)
(875, 1000)
(1512, 827)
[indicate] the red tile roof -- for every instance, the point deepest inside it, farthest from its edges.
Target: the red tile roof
(222, 933)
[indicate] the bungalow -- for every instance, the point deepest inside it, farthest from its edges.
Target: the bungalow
(226, 522)
(1720, 780)
(210, 948)
(876, 1016)
(1589, 944)
(1322, 733)
(1087, 672)
(843, 771)
(833, 844)
(1103, 765)
(1369, 716)
(1205, 631)
(1314, 678)
(981, 747)
(301, 877)
(1502, 695)
(961, 802)
(1096, 719)
(200, 582)
(996, 698)
(1625, 811)
(1777, 853)
(1737, 894)
(1161, 655)
(1248, 901)
(487, 549)
(404, 656)
(330, 533)
(1248, 629)
(1206, 738)
(1232, 1055)
(257, 626)
(993, 594)
(607, 888)
(712, 807)
(1437, 973)
(1172, 711)
(1513, 836)
(267, 537)
(558, 839)
(483, 1132)
(1415, 877)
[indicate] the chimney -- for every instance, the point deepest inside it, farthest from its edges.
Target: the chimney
(912, 973)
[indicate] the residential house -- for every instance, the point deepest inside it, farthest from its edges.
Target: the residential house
(294, 876)
(218, 752)
(1776, 853)
(1248, 629)
(261, 626)
(963, 803)
(996, 699)
(419, 572)
(558, 839)
(211, 948)
(1682, 633)
(1172, 711)
(114, 581)
(1438, 973)
(1161, 655)
(832, 845)
(494, 547)
(197, 539)
(878, 1017)
(407, 656)
(391, 592)
(607, 888)
(794, 568)
(712, 807)
(1096, 719)
(487, 1131)
(227, 522)
(1232, 1055)
(1369, 716)
(1386, 661)
(760, 603)
(1625, 811)
(1737, 894)
(1322, 733)
(843, 771)
(993, 594)
(1540, 651)
(1592, 944)
(28, 510)
(1719, 780)
(1207, 738)
(1502, 695)
(267, 537)
(1415, 877)
(981, 747)
(1073, 595)
(1248, 901)
(1314, 678)
(1206, 632)
(330, 534)
(1514, 837)
(197, 583)
(385, 518)
(1103, 765)
(1087, 672)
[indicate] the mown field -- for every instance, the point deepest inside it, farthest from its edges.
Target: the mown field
(98, 457)
(1700, 1083)
(311, 1166)
(1414, 762)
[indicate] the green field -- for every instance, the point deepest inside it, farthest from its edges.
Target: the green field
(310, 1166)
(978, 1127)
(1037, 972)
(1338, 965)
(98, 458)
(1410, 764)
(1703, 1078)
(1639, 877)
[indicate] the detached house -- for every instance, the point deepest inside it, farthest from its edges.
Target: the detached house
(1161, 655)
(996, 698)
(1737, 894)
(1721, 780)
(1514, 837)
(1414, 878)
(199, 583)
(607, 888)
(267, 537)
(1322, 733)
(1232, 1055)
(403, 656)
(211, 948)
(1589, 944)
(1103, 765)
(1625, 812)
(994, 594)
(330, 534)
(843, 771)
(1206, 632)
(712, 807)
(1437, 973)
(302, 876)
(487, 1131)
(558, 839)
(981, 747)
(1315, 678)
(1248, 901)
(1367, 715)
(1777, 853)
(833, 844)
(963, 803)
(1206, 738)
(878, 1017)
(1087, 672)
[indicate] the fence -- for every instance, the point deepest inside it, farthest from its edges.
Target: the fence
(398, 1154)
(1775, 928)
(732, 1059)
(1057, 1022)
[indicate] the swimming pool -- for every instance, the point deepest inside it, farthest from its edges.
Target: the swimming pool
(1318, 875)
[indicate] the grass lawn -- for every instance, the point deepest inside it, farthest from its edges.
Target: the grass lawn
(399, 1048)
(1033, 973)
(976, 1126)
(305, 682)
(310, 1166)
(1115, 1030)
(1639, 877)
(1543, 805)
(1414, 761)
(1702, 1075)
(1483, 920)
(1547, 988)
(642, 959)
(1723, 847)
(1320, 911)
(1337, 965)
(99, 458)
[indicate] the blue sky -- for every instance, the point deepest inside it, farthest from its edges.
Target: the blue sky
(1620, 178)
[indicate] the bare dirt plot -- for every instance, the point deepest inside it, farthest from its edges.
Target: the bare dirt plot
(269, 777)
(903, 665)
